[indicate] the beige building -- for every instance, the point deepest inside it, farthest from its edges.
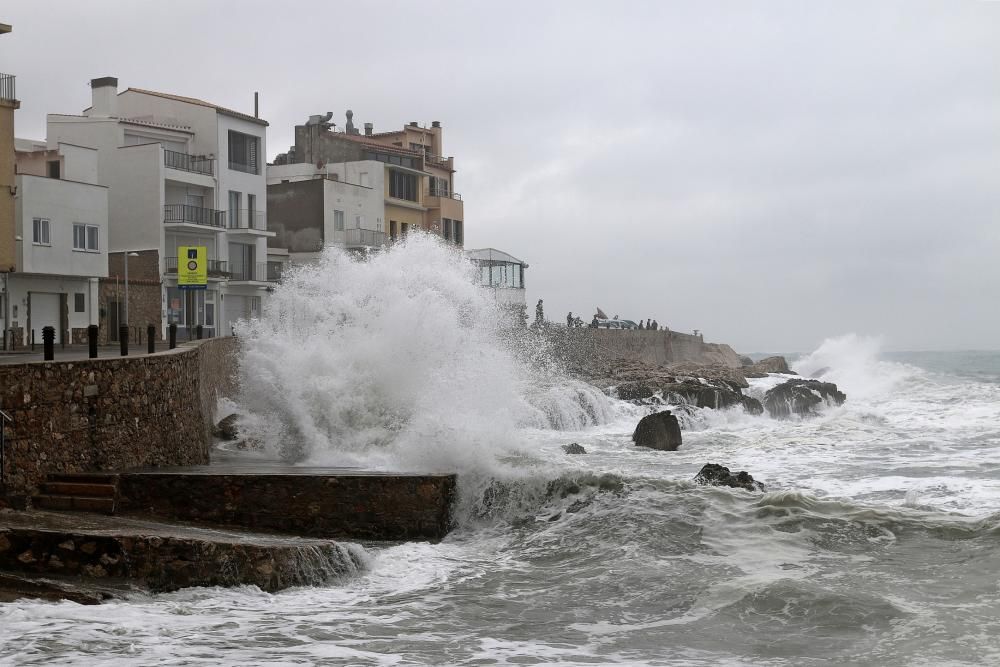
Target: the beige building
(8, 103)
(418, 182)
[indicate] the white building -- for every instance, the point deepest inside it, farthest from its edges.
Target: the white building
(501, 273)
(181, 172)
(311, 207)
(61, 237)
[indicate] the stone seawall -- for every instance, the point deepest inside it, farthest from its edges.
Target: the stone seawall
(113, 413)
(584, 348)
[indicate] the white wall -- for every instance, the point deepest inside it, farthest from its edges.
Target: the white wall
(136, 198)
(62, 203)
(21, 287)
(79, 163)
(200, 119)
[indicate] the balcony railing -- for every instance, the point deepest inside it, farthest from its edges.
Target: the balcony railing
(193, 215)
(198, 164)
(274, 271)
(216, 267)
(259, 272)
(246, 219)
(354, 238)
(440, 192)
(7, 87)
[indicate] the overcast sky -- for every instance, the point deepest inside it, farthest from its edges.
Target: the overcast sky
(772, 173)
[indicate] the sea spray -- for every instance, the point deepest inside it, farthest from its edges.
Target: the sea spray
(398, 360)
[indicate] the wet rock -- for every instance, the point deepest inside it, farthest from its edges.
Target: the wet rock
(226, 428)
(658, 431)
(801, 397)
(768, 365)
(752, 406)
(746, 361)
(574, 448)
(718, 475)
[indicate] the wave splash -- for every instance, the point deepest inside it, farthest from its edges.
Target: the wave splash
(398, 360)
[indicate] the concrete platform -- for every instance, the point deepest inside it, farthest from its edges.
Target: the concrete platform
(88, 557)
(326, 503)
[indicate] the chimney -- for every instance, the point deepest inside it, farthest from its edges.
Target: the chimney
(369, 128)
(413, 123)
(436, 123)
(104, 97)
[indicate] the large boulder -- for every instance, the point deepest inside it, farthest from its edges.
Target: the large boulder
(226, 428)
(801, 397)
(717, 475)
(769, 365)
(658, 431)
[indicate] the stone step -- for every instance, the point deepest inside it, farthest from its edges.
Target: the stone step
(79, 489)
(75, 503)
(82, 478)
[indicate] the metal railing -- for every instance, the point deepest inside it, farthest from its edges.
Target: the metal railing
(441, 192)
(195, 215)
(216, 267)
(274, 271)
(246, 219)
(249, 272)
(4, 420)
(198, 164)
(7, 87)
(363, 237)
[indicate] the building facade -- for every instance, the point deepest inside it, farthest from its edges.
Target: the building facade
(338, 204)
(180, 172)
(61, 224)
(417, 183)
(8, 104)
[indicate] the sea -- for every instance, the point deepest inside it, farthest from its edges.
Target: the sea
(875, 542)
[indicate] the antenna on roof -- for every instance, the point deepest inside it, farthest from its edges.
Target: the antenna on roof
(256, 104)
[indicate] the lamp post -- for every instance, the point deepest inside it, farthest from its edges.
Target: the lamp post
(127, 255)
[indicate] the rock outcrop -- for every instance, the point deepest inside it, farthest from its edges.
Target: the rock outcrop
(769, 365)
(718, 475)
(658, 431)
(801, 397)
(226, 428)
(574, 448)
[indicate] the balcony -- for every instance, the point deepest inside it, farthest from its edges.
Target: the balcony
(259, 272)
(7, 88)
(274, 271)
(363, 238)
(216, 267)
(248, 220)
(183, 214)
(441, 192)
(197, 164)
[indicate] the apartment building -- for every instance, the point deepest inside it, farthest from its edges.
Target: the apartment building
(417, 183)
(310, 207)
(8, 104)
(61, 232)
(180, 172)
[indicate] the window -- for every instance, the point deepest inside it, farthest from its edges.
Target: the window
(439, 187)
(391, 159)
(416, 147)
(79, 303)
(86, 237)
(243, 152)
(209, 308)
(40, 231)
(252, 211)
(402, 186)
(338, 221)
(235, 199)
(359, 221)
(457, 227)
(446, 229)
(53, 168)
(364, 179)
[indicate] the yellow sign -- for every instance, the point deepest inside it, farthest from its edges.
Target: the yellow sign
(192, 267)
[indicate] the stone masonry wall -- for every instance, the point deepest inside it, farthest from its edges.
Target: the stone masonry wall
(111, 414)
(583, 348)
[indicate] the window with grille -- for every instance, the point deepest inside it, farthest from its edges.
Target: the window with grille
(244, 152)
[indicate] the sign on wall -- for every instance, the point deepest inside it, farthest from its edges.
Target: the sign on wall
(192, 267)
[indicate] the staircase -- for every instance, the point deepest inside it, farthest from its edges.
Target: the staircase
(78, 492)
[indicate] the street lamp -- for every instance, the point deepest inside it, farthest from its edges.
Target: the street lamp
(127, 255)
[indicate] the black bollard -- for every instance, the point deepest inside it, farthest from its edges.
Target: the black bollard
(92, 332)
(48, 342)
(172, 329)
(123, 339)
(150, 339)
(198, 331)
(32, 340)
